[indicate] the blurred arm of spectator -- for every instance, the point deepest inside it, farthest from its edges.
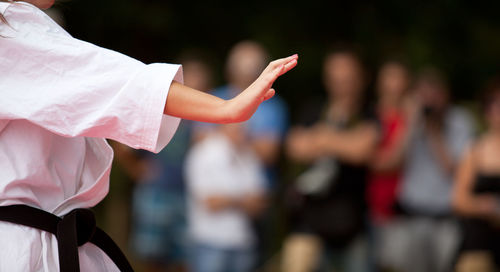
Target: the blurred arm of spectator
(392, 158)
(389, 159)
(301, 146)
(267, 149)
(355, 145)
(438, 146)
(252, 204)
(464, 201)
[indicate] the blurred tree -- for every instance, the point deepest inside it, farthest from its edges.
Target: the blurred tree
(461, 37)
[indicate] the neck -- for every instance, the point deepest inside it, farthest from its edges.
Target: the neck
(389, 103)
(342, 107)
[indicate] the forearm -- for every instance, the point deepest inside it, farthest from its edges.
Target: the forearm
(218, 203)
(301, 146)
(476, 206)
(267, 149)
(464, 201)
(392, 158)
(355, 147)
(356, 154)
(252, 205)
(187, 103)
(442, 154)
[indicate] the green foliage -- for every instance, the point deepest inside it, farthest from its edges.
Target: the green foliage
(460, 37)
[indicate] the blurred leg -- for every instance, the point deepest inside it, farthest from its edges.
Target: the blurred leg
(403, 246)
(208, 259)
(242, 260)
(422, 249)
(445, 236)
(301, 253)
(386, 247)
(356, 257)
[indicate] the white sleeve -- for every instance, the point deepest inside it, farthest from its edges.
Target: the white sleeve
(74, 88)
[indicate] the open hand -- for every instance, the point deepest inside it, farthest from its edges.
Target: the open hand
(243, 106)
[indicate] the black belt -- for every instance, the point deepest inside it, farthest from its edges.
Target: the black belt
(72, 230)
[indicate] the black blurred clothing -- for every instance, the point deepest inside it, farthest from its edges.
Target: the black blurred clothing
(480, 234)
(336, 215)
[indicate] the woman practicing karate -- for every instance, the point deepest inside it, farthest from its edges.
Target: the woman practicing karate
(60, 97)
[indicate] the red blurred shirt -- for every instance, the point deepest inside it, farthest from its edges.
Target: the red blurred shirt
(382, 186)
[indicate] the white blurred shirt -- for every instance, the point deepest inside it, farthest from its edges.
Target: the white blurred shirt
(59, 98)
(426, 187)
(214, 167)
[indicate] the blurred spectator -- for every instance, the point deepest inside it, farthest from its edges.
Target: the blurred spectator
(329, 213)
(268, 125)
(393, 112)
(159, 235)
(392, 85)
(265, 130)
(426, 238)
(477, 193)
(226, 188)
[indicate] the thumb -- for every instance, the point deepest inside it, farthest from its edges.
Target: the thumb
(270, 93)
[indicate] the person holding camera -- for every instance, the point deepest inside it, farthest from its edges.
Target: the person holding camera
(426, 236)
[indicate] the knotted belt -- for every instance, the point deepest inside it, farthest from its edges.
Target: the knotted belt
(72, 230)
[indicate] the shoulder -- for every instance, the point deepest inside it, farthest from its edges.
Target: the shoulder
(459, 114)
(22, 12)
(24, 17)
(459, 118)
(483, 142)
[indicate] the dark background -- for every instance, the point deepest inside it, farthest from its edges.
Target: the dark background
(460, 37)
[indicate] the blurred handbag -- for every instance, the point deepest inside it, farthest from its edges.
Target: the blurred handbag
(319, 208)
(317, 179)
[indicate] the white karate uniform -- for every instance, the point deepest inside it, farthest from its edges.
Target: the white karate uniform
(59, 98)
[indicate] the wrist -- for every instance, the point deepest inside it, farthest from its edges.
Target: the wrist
(225, 112)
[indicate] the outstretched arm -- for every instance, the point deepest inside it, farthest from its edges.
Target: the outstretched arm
(188, 103)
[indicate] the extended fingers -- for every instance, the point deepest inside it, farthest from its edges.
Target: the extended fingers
(277, 63)
(274, 74)
(276, 69)
(283, 68)
(288, 66)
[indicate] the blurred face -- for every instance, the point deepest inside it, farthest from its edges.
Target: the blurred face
(392, 82)
(245, 63)
(41, 4)
(197, 75)
(493, 112)
(343, 76)
(433, 96)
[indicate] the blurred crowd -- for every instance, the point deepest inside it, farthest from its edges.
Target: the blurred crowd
(383, 173)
